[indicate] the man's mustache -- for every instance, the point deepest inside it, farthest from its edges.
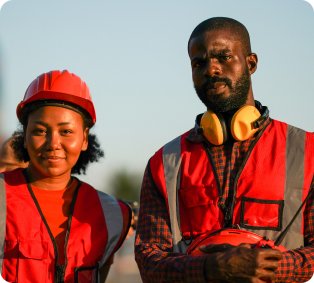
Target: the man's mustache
(212, 80)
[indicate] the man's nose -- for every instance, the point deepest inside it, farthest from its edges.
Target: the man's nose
(213, 68)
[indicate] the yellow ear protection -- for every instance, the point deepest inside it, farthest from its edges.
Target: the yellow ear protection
(243, 124)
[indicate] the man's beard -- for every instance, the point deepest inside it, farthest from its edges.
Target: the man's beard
(218, 103)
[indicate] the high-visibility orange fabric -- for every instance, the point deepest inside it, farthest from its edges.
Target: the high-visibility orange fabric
(257, 205)
(98, 225)
(55, 205)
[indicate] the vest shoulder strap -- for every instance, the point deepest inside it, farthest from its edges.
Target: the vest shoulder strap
(172, 163)
(114, 221)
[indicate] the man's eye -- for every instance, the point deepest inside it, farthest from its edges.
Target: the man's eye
(198, 64)
(225, 57)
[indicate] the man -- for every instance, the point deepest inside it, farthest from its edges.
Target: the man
(8, 160)
(237, 168)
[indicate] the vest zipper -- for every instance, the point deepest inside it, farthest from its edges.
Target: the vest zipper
(59, 269)
(221, 206)
(59, 273)
(205, 144)
(230, 208)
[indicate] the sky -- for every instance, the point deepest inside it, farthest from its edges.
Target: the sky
(133, 56)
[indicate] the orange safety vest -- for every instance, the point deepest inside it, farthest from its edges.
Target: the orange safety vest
(96, 229)
(269, 187)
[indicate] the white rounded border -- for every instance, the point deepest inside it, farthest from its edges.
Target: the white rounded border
(2, 2)
(311, 2)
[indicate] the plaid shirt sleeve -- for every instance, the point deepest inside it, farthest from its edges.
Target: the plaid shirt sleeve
(298, 265)
(153, 243)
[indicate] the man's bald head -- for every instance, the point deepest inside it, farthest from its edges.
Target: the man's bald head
(223, 23)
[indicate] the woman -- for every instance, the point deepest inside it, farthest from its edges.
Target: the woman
(58, 228)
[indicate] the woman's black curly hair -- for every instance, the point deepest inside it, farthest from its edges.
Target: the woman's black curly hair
(92, 154)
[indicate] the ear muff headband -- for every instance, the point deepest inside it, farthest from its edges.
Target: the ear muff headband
(214, 128)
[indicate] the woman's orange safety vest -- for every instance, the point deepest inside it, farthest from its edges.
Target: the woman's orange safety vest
(269, 188)
(97, 226)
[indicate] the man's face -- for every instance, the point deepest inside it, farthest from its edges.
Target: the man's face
(220, 71)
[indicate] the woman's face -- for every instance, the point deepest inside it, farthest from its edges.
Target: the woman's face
(54, 139)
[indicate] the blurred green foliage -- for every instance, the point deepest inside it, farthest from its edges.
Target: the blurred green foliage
(125, 185)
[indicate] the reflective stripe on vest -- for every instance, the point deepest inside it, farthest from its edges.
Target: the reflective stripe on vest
(172, 162)
(114, 221)
(2, 219)
(295, 152)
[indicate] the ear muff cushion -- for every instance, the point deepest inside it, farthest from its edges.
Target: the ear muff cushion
(242, 122)
(214, 128)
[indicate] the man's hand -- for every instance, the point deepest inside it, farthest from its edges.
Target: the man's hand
(241, 264)
(8, 160)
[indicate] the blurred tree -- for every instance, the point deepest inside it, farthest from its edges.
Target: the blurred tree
(125, 185)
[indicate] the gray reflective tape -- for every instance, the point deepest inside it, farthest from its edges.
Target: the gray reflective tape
(172, 162)
(295, 152)
(2, 218)
(114, 221)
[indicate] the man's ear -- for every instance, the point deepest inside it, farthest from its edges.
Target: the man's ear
(251, 61)
(85, 141)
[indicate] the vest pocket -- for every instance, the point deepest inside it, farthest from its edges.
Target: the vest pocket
(32, 262)
(199, 211)
(86, 274)
(261, 214)
(33, 249)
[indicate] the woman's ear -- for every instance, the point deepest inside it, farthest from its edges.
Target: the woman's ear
(85, 139)
(251, 61)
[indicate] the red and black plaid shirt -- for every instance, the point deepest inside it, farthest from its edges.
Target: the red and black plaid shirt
(153, 245)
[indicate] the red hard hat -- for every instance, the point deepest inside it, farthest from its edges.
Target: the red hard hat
(233, 237)
(58, 86)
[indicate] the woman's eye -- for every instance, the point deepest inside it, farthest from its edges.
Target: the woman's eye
(39, 132)
(66, 132)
